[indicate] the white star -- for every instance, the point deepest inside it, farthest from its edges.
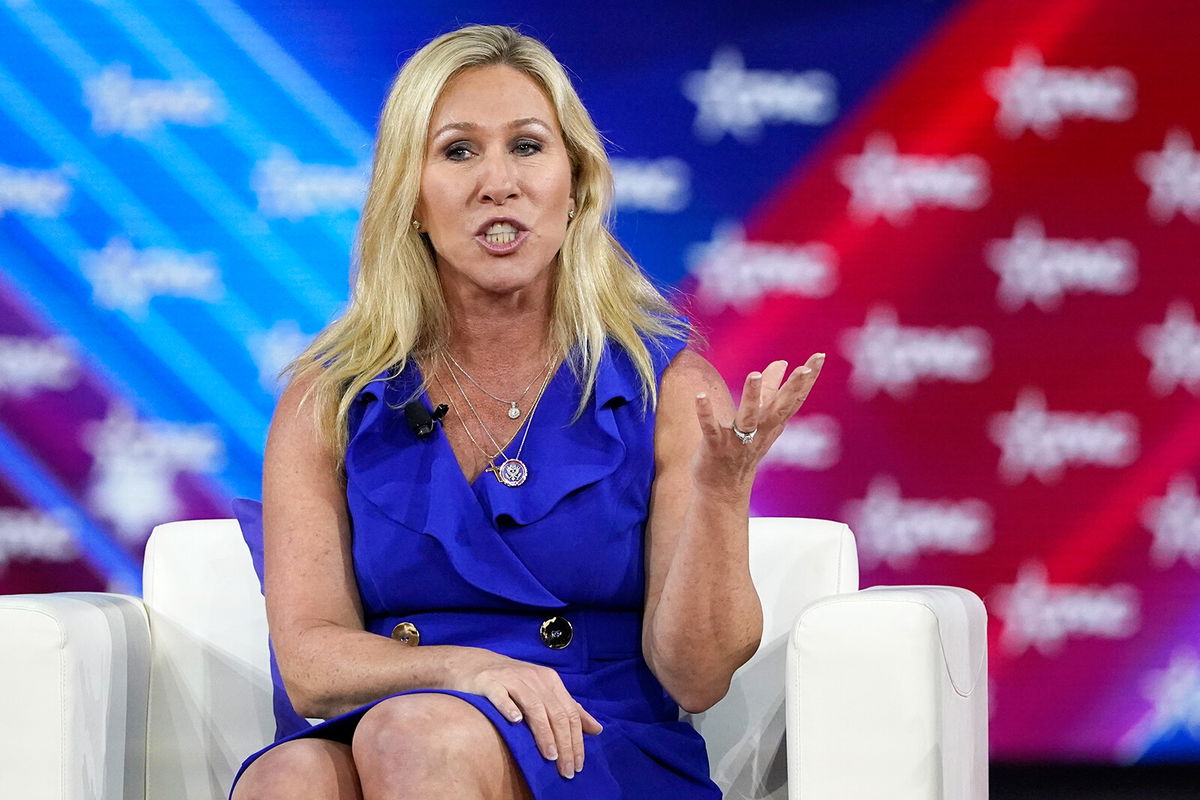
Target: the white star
(1173, 175)
(1174, 350)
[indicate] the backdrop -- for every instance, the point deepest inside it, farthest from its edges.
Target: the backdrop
(986, 212)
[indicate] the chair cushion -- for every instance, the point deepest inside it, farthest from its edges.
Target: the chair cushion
(249, 517)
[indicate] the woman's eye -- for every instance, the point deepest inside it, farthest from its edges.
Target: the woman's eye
(458, 152)
(526, 147)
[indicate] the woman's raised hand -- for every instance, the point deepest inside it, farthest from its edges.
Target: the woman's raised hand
(521, 690)
(731, 450)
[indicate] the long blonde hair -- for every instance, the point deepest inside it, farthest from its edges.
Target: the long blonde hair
(396, 307)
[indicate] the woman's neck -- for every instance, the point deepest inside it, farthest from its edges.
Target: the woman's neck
(499, 333)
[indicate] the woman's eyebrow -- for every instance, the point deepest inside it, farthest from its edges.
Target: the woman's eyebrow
(471, 126)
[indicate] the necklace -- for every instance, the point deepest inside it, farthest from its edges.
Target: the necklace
(511, 471)
(514, 411)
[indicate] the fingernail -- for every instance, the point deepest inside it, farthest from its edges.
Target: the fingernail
(820, 356)
(701, 396)
(551, 756)
(805, 370)
(515, 716)
(755, 376)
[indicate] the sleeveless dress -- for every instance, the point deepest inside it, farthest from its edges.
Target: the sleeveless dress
(486, 565)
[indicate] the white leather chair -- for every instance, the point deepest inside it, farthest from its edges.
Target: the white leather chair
(882, 693)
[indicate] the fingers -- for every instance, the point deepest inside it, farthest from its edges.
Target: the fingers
(504, 704)
(750, 409)
(706, 416)
(590, 724)
(794, 391)
(555, 724)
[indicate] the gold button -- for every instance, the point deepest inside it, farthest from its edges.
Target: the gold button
(556, 633)
(407, 633)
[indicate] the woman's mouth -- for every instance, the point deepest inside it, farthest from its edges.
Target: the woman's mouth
(501, 238)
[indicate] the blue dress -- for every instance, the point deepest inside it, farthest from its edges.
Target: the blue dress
(484, 565)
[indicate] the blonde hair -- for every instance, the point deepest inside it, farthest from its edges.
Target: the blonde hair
(396, 307)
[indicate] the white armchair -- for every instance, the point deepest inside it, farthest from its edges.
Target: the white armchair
(882, 693)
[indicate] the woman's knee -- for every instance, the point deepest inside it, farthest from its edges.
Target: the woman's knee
(424, 726)
(298, 769)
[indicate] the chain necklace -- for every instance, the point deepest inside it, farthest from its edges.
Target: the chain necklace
(511, 471)
(514, 411)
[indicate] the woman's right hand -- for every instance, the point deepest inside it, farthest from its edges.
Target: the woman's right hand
(521, 690)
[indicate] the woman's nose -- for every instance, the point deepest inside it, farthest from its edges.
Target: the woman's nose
(497, 179)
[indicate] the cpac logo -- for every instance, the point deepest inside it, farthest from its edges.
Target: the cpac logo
(293, 190)
(735, 272)
(809, 442)
(40, 192)
(274, 349)
(133, 107)
(1174, 520)
(1174, 695)
(895, 530)
(1035, 269)
(27, 534)
(883, 183)
(893, 358)
(732, 99)
(1173, 175)
(135, 465)
(1034, 441)
(662, 184)
(1043, 615)
(126, 279)
(1035, 97)
(29, 365)
(1174, 350)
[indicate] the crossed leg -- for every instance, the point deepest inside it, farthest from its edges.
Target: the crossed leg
(411, 746)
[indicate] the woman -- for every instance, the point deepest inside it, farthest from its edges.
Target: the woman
(517, 602)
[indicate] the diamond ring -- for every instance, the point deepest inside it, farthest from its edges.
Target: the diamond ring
(745, 436)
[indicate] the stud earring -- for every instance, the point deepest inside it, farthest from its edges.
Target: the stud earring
(416, 225)
(571, 214)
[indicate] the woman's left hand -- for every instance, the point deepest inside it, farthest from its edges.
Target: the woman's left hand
(726, 461)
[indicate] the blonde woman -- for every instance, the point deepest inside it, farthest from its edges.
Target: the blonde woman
(515, 600)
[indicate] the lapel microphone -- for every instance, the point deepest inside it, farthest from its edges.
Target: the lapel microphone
(421, 420)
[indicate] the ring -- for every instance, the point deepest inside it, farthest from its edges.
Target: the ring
(746, 436)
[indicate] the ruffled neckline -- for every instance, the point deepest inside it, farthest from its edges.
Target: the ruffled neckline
(393, 469)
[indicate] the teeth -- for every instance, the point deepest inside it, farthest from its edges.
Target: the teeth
(502, 227)
(500, 238)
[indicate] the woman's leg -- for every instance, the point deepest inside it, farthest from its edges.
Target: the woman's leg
(434, 745)
(301, 769)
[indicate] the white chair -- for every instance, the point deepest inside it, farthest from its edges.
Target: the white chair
(114, 697)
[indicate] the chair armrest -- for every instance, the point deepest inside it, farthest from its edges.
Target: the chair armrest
(887, 696)
(75, 668)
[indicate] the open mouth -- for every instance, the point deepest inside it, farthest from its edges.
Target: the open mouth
(501, 238)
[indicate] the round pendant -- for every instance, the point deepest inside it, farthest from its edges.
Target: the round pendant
(514, 412)
(512, 472)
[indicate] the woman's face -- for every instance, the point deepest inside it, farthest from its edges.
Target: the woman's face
(495, 152)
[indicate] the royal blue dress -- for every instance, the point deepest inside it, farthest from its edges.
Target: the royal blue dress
(485, 565)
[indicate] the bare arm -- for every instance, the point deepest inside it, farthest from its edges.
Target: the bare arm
(703, 618)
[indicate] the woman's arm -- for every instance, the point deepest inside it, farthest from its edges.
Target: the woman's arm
(703, 619)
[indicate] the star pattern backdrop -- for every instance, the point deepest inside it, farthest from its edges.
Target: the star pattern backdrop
(987, 213)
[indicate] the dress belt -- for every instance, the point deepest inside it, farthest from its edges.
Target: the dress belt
(569, 638)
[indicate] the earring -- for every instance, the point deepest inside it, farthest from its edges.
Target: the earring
(416, 225)
(571, 214)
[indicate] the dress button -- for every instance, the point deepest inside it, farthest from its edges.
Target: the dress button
(407, 633)
(556, 633)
